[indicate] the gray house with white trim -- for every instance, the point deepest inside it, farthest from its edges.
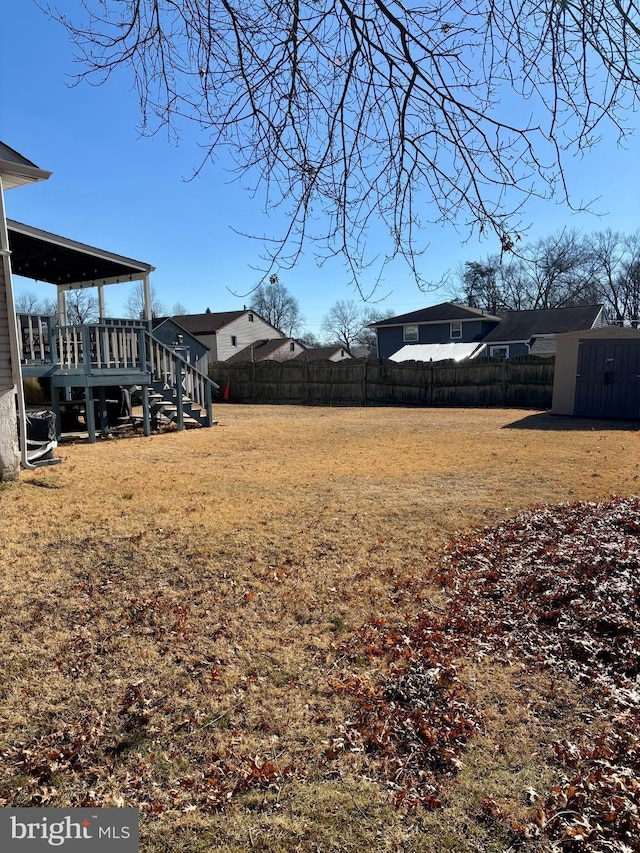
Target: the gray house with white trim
(504, 335)
(440, 324)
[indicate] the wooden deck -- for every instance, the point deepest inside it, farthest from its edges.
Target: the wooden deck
(111, 353)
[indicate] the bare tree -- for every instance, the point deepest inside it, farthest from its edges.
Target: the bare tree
(354, 113)
(342, 323)
(553, 272)
(273, 302)
(179, 309)
(616, 260)
(135, 307)
(347, 322)
(82, 307)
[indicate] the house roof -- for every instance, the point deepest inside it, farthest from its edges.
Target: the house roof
(159, 321)
(43, 256)
(524, 325)
(16, 170)
(321, 353)
(438, 352)
(442, 313)
(209, 323)
(259, 350)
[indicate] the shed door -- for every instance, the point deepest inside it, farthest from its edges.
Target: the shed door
(608, 379)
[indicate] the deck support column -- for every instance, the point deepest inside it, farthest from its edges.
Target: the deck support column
(102, 408)
(146, 421)
(101, 306)
(89, 413)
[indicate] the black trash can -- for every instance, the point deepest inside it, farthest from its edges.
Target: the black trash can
(41, 435)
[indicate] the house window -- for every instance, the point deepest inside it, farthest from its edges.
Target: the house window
(292, 347)
(456, 330)
(251, 318)
(234, 340)
(410, 334)
(499, 352)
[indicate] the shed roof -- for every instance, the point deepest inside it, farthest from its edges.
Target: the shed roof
(604, 333)
(523, 325)
(43, 256)
(438, 352)
(442, 313)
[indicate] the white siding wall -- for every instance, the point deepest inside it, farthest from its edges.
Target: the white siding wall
(6, 375)
(285, 352)
(211, 342)
(245, 333)
(9, 450)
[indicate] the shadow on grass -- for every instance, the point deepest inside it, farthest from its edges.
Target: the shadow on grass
(560, 423)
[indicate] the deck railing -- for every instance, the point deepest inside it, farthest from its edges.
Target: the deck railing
(34, 339)
(113, 345)
(98, 347)
(168, 367)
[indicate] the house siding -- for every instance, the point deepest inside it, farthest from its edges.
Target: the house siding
(168, 332)
(6, 374)
(245, 333)
(284, 353)
(391, 338)
(9, 450)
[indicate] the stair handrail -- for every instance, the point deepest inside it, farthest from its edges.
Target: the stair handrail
(178, 375)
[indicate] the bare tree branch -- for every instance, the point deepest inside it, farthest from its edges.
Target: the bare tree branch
(351, 115)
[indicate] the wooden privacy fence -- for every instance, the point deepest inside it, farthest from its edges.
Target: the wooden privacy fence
(519, 382)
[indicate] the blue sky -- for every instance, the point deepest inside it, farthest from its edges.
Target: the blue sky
(127, 194)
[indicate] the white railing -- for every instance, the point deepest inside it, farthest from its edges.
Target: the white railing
(34, 339)
(113, 346)
(98, 347)
(174, 372)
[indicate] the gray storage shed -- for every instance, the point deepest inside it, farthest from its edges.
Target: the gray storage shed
(597, 373)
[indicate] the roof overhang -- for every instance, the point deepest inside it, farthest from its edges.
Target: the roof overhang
(16, 170)
(18, 174)
(70, 265)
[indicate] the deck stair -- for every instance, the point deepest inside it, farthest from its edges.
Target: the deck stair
(117, 353)
(164, 407)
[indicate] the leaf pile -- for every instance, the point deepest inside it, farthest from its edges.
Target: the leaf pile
(556, 587)
(560, 587)
(559, 584)
(412, 721)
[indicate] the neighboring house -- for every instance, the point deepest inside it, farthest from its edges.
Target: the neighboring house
(439, 324)
(363, 352)
(226, 333)
(438, 352)
(534, 332)
(174, 335)
(15, 171)
(505, 335)
(273, 349)
(330, 353)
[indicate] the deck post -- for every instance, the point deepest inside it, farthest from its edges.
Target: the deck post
(86, 349)
(146, 422)
(89, 413)
(177, 373)
(102, 408)
(55, 400)
(208, 403)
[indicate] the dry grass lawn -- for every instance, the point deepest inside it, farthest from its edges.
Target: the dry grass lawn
(174, 608)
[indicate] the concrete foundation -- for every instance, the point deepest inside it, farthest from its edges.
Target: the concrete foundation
(9, 449)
